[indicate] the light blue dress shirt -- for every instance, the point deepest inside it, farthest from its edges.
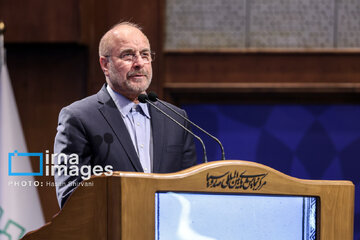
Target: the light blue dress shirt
(137, 120)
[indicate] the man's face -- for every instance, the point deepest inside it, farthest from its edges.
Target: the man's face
(128, 77)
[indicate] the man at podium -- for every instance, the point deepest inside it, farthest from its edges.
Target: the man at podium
(111, 129)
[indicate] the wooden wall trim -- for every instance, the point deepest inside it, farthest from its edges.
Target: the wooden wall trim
(264, 87)
(266, 50)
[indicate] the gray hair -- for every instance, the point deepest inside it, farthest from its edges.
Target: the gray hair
(106, 39)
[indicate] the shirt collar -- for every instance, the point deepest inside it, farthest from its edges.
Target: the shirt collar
(124, 105)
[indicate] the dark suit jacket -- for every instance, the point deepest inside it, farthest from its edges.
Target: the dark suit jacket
(93, 128)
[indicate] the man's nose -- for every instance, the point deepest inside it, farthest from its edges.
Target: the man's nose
(138, 61)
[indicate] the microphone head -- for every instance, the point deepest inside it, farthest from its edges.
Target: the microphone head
(152, 96)
(108, 138)
(142, 98)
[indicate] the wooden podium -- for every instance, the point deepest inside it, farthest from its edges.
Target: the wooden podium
(122, 206)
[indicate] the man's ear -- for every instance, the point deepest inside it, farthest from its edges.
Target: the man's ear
(104, 62)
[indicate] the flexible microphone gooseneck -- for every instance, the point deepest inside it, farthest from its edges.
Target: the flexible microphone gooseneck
(144, 99)
(153, 97)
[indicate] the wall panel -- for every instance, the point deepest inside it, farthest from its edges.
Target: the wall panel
(41, 20)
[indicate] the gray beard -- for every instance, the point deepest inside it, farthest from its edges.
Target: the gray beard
(137, 89)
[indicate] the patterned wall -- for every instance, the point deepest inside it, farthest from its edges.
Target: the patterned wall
(214, 24)
(304, 141)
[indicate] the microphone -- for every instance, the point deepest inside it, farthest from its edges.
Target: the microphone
(153, 97)
(144, 99)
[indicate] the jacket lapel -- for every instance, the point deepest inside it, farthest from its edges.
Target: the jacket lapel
(158, 134)
(112, 115)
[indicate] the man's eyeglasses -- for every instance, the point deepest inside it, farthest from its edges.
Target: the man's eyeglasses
(131, 56)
